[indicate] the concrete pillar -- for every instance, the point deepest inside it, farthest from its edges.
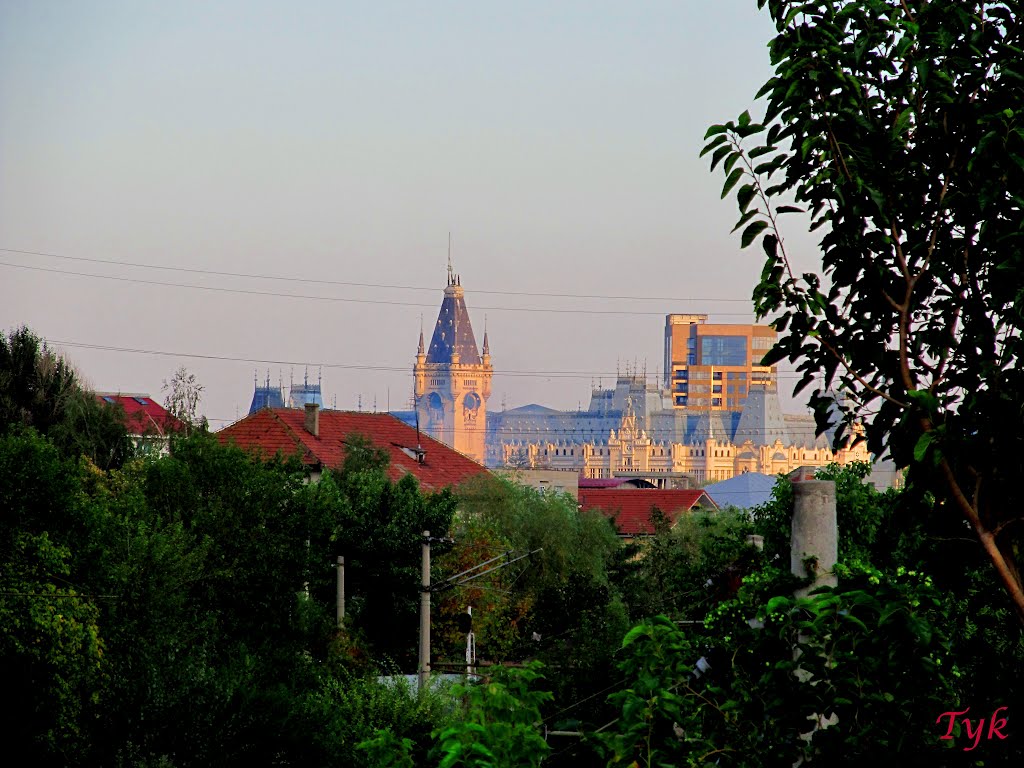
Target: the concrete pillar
(814, 532)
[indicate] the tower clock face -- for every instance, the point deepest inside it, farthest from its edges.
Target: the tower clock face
(435, 408)
(471, 407)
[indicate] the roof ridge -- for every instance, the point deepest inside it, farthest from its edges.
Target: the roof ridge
(299, 442)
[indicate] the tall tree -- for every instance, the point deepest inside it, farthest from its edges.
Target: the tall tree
(184, 393)
(41, 390)
(896, 127)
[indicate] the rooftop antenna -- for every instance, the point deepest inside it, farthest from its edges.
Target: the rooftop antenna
(320, 377)
(374, 402)
(305, 378)
(360, 402)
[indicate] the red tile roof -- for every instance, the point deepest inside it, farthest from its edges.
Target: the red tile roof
(632, 508)
(273, 430)
(602, 482)
(143, 415)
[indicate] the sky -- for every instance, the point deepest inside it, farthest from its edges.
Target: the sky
(318, 154)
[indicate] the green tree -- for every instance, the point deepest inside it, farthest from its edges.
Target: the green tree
(377, 527)
(684, 570)
(502, 724)
(40, 389)
(559, 605)
(896, 126)
(51, 649)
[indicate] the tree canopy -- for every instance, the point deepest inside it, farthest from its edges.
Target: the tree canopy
(896, 129)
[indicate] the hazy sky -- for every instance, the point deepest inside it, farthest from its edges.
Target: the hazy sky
(332, 141)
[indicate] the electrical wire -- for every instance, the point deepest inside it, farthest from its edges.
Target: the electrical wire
(318, 281)
(342, 299)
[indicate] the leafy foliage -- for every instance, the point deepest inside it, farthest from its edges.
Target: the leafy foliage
(40, 389)
(896, 128)
(501, 727)
(842, 677)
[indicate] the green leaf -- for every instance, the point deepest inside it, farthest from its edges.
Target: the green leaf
(752, 232)
(713, 143)
(731, 181)
(731, 160)
(719, 154)
(633, 634)
(714, 130)
(745, 218)
(923, 444)
(744, 195)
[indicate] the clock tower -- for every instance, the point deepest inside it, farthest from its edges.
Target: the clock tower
(453, 378)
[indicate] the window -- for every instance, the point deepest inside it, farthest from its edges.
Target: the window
(723, 350)
(140, 400)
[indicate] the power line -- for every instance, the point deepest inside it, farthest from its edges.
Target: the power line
(339, 366)
(355, 284)
(341, 299)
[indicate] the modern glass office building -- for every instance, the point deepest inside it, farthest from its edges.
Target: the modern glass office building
(710, 366)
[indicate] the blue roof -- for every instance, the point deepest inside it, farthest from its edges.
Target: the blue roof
(742, 491)
(266, 397)
(301, 394)
(453, 331)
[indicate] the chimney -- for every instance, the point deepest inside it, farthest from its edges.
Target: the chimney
(313, 419)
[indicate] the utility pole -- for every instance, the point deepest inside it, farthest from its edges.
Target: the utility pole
(341, 591)
(424, 665)
(457, 580)
(470, 643)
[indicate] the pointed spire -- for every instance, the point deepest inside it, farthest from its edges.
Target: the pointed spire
(420, 350)
(451, 274)
(486, 351)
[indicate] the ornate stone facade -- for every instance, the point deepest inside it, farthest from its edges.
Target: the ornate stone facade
(709, 457)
